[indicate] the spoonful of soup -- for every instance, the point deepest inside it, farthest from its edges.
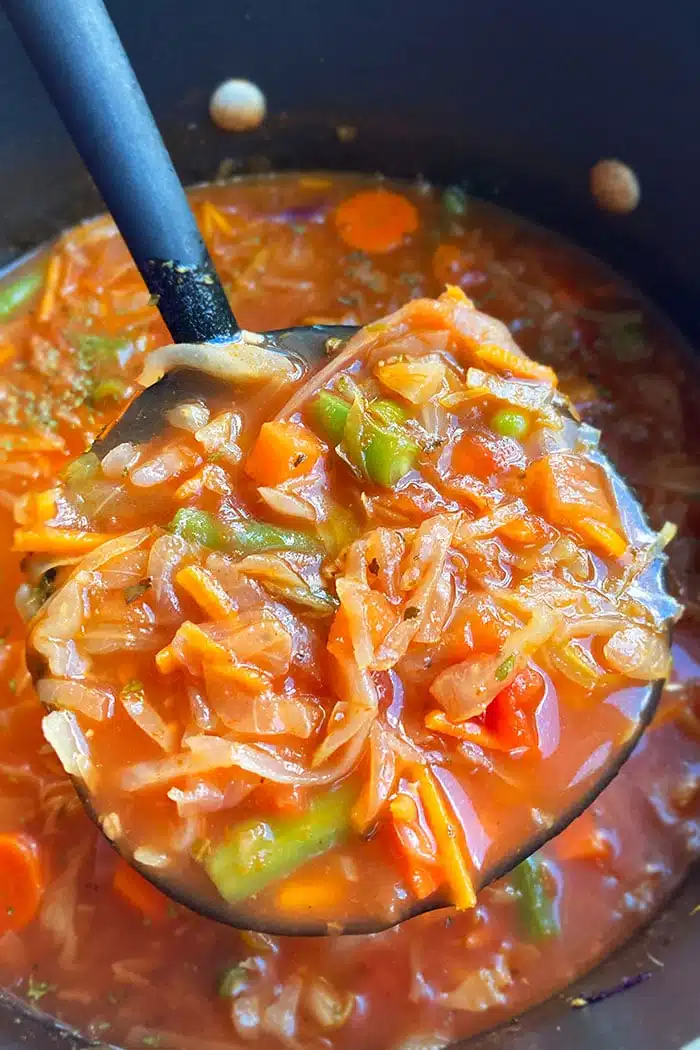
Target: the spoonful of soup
(379, 613)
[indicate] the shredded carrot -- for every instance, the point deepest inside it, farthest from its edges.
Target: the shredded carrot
(7, 352)
(48, 298)
(250, 679)
(417, 850)
(213, 219)
(140, 893)
(190, 644)
(518, 364)
(376, 221)
(167, 660)
(282, 451)
(602, 536)
(446, 835)
(472, 731)
(206, 591)
(58, 541)
(21, 881)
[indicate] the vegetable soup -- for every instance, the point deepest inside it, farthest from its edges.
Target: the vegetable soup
(444, 499)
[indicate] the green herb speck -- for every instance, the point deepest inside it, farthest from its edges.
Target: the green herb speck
(36, 989)
(504, 669)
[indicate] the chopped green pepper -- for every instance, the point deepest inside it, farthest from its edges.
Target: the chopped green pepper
(18, 294)
(510, 423)
(535, 904)
(259, 852)
(198, 526)
(249, 537)
(241, 537)
(330, 414)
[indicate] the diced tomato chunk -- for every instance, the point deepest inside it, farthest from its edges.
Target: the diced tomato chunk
(482, 453)
(572, 492)
(511, 714)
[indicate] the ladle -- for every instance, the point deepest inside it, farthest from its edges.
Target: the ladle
(78, 54)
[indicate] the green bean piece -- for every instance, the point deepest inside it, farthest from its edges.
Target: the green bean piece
(19, 293)
(198, 526)
(330, 413)
(375, 443)
(388, 457)
(535, 905)
(510, 423)
(257, 853)
(251, 537)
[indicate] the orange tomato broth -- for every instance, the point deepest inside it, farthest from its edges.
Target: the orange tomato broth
(425, 977)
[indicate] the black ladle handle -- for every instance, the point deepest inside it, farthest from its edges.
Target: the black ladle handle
(80, 59)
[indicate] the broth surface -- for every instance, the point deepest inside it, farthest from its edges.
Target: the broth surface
(100, 948)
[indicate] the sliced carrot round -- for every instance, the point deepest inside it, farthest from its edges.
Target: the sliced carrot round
(376, 221)
(21, 881)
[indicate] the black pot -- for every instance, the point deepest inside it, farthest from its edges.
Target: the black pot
(516, 101)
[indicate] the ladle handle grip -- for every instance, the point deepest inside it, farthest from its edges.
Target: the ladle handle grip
(78, 55)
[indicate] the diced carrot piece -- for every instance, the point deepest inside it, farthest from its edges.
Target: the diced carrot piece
(583, 840)
(21, 881)
(572, 492)
(519, 365)
(140, 893)
(58, 540)
(167, 660)
(418, 853)
(309, 895)
(446, 832)
(376, 221)
(282, 451)
(206, 590)
(530, 530)
(483, 453)
(603, 537)
(48, 299)
(190, 647)
(448, 263)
